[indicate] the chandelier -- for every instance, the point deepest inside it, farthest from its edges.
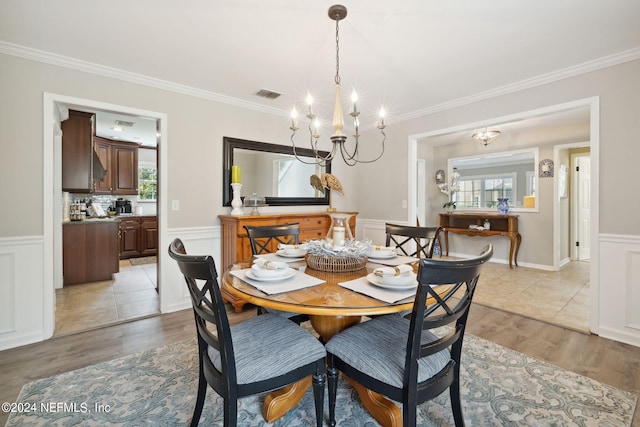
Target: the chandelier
(350, 157)
(485, 136)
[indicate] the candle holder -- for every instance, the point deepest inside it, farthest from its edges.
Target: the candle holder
(339, 230)
(236, 203)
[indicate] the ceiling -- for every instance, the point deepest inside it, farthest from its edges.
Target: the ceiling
(411, 56)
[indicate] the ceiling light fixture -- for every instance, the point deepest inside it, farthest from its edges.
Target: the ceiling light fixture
(336, 13)
(485, 136)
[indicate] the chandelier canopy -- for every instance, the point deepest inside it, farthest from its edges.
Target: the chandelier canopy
(350, 157)
(485, 136)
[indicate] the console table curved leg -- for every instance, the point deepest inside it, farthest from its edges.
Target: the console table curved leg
(518, 240)
(279, 402)
(512, 246)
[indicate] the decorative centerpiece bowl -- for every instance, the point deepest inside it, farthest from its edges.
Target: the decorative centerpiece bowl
(322, 255)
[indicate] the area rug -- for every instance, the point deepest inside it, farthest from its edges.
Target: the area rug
(158, 388)
(143, 260)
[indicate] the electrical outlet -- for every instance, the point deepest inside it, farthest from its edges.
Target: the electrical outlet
(404, 204)
(175, 205)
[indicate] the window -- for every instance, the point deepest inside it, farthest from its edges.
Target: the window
(484, 192)
(147, 183)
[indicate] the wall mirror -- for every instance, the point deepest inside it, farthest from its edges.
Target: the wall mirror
(485, 178)
(273, 172)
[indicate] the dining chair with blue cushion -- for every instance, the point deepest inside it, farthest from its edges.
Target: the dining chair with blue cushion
(263, 239)
(258, 355)
(412, 241)
(402, 358)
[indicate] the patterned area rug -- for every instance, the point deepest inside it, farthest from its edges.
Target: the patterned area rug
(158, 387)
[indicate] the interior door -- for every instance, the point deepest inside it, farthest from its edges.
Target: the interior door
(582, 174)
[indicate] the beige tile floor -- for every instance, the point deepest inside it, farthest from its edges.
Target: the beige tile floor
(130, 295)
(556, 297)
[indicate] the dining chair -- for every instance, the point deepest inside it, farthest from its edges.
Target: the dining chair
(404, 358)
(258, 355)
(412, 241)
(265, 239)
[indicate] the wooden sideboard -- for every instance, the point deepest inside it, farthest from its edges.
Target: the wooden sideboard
(501, 225)
(235, 243)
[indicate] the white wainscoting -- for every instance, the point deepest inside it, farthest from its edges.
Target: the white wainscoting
(174, 295)
(619, 290)
(22, 295)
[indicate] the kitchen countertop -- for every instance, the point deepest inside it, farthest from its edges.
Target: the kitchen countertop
(116, 218)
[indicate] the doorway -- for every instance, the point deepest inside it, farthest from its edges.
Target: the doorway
(580, 206)
(54, 106)
(590, 106)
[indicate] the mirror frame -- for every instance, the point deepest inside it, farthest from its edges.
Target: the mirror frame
(536, 154)
(229, 144)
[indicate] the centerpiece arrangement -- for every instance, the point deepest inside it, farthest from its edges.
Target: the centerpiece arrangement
(323, 255)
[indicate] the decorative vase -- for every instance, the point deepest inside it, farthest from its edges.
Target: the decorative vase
(503, 206)
(450, 209)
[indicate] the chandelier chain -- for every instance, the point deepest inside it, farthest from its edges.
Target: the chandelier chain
(337, 78)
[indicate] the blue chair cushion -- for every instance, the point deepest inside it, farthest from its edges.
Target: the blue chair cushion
(267, 346)
(378, 348)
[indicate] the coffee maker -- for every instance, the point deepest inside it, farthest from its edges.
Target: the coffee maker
(123, 206)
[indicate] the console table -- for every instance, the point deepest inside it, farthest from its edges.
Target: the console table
(501, 225)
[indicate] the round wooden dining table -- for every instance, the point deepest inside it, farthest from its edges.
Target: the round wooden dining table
(331, 308)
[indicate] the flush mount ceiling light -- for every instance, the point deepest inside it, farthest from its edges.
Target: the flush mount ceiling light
(350, 157)
(485, 136)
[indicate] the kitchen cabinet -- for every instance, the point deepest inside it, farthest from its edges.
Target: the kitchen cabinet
(138, 236)
(236, 246)
(129, 237)
(89, 251)
(80, 163)
(121, 161)
(148, 235)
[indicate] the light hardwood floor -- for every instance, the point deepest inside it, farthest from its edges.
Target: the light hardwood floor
(601, 359)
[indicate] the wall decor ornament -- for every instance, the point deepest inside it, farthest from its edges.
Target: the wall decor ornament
(440, 176)
(545, 168)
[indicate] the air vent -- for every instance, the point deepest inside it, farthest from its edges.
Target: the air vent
(269, 94)
(124, 124)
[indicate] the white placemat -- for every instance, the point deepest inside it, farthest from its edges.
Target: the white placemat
(397, 260)
(363, 286)
(297, 281)
(276, 257)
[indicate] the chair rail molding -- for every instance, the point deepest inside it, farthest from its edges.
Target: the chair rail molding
(22, 305)
(619, 295)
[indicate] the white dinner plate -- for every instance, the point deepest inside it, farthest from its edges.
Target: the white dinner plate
(288, 273)
(381, 254)
(300, 254)
(375, 280)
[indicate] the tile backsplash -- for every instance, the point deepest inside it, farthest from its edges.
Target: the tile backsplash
(106, 200)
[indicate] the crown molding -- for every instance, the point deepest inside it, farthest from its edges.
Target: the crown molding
(119, 74)
(575, 70)
(115, 73)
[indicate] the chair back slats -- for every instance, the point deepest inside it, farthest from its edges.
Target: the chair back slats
(201, 278)
(412, 241)
(450, 309)
(265, 239)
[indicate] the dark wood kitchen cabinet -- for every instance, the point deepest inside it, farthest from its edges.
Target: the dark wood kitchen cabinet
(89, 251)
(80, 163)
(138, 236)
(129, 237)
(121, 161)
(148, 235)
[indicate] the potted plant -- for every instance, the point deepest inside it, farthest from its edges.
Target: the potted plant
(450, 207)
